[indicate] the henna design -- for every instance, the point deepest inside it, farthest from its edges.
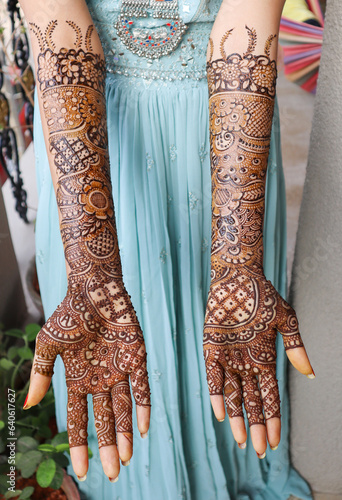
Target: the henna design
(48, 35)
(95, 328)
(268, 44)
(244, 311)
(104, 418)
(78, 32)
(250, 73)
(77, 418)
(252, 40)
(223, 41)
(88, 44)
(39, 36)
(123, 410)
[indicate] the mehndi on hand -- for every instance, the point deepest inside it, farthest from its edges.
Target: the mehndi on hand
(95, 329)
(244, 311)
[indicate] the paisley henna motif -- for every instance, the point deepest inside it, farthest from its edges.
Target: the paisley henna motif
(244, 311)
(95, 328)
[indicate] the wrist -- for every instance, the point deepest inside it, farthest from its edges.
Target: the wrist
(228, 260)
(98, 295)
(103, 273)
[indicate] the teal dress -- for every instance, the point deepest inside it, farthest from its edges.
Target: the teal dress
(159, 152)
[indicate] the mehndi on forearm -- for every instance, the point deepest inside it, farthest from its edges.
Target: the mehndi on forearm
(72, 83)
(242, 91)
(95, 328)
(241, 103)
(243, 309)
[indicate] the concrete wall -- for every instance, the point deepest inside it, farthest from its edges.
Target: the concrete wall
(316, 405)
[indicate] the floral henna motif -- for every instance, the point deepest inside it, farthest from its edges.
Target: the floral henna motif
(244, 311)
(95, 328)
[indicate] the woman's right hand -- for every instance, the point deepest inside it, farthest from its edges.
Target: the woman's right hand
(97, 334)
(95, 329)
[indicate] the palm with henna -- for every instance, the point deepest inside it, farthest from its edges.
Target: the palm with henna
(244, 311)
(95, 329)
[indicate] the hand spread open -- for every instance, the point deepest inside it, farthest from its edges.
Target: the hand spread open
(97, 334)
(95, 328)
(244, 311)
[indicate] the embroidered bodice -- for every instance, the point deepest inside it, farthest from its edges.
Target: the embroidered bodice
(186, 61)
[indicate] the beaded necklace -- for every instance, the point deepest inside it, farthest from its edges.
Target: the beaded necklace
(153, 42)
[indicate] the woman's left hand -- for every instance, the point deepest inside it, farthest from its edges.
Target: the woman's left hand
(244, 312)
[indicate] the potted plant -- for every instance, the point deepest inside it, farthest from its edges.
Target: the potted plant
(29, 442)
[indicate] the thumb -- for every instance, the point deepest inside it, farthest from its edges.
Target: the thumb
(299, 359)
(42, 369)
(293, 343)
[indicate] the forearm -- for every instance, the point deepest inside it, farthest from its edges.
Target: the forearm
(75, 114)
(241, 78)
(70, 80)
(240, 130)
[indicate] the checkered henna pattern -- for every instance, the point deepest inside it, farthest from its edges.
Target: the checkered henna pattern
(95, 329)
(244, 311)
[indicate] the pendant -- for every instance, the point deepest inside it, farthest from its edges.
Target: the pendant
(155, 42)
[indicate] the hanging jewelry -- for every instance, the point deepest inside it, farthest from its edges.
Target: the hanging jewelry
(153, 42)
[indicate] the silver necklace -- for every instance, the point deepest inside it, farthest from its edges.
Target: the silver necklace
(155, 42)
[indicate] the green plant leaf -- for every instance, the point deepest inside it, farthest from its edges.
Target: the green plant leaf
(6, 364)
(57, 480)
(46, 447)
(2, 425)
(63, 447)
(49, 398)
(24, 431)
(28, 462)
(15, 332)
(44, 432)
(36, 421)
(25, 352)
(90, 453)
(31, 331)
(60, 438)
(3, 467)
(42, 418)
(3, 482)
(26, 443)
(46, 472)
(61, 459)
(11, 494)
(12, 352)
(26, 493)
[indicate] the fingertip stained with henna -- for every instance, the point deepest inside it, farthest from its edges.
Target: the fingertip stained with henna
(95, 328)
(244, 311)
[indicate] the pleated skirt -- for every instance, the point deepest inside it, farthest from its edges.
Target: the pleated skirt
(160, 170)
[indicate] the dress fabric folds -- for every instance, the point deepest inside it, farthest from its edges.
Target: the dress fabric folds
(158, 131)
